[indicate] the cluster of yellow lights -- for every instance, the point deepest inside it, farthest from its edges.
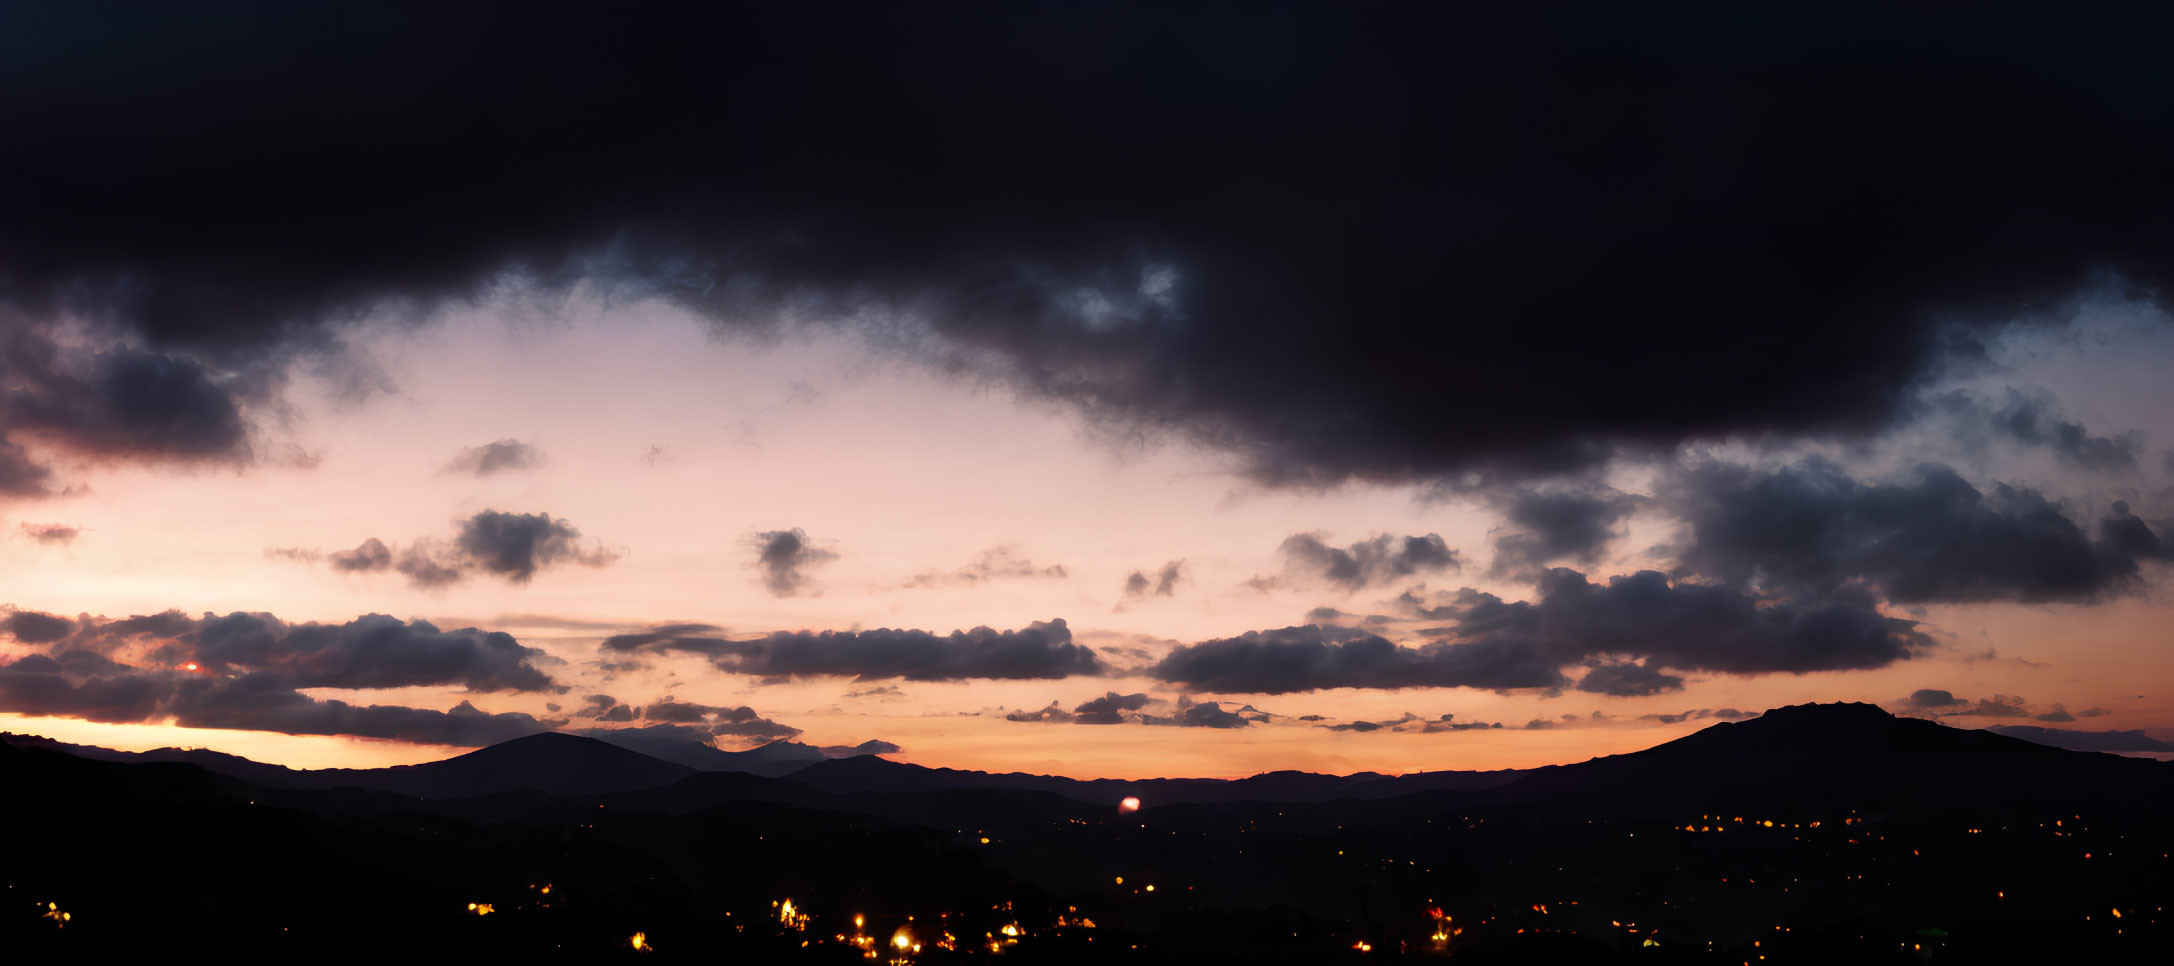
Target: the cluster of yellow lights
(904, 947)
(481, 908)
(59, 917)
(640, 942)
(1443, 931)
(1719, 823)
(791, 917)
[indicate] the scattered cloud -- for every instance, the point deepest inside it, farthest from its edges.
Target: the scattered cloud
(1932, 699)
(513, 546)
(872, 746)
(51, 533)
(373, 651)
(1379, 559)
(2114, 741)
(1810, 528)
(1545, 524)
(785, 557)
(1627, 679)
(1498, 645)
(251, 702)
(371, 555)
(1109, 708)
(996, 563)
(1039, 650)
(2034, 421)
(503, 456)
(1164, 583)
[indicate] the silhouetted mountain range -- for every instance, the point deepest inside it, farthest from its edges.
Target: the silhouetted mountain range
(1808, 758)
(1805, 751)
(781, 757)
(1836, 831)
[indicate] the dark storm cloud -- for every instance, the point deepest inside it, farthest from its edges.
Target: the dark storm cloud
(784, 557)
(1929, 536)
(1376, 560)
(1109, 708)
(995, 563)
(119, 402)
(1690, 626)
(1545, 525)
(31, 627)
(1039, 650)
(1626, 679)
(503, 456)
(51, 533)
(1528, 644)
(20, 476)
(2085, 740)
(258, 701)
(1164, 583)
(370, 555)
(373, 651)
(1311, 658)
(1330, 239)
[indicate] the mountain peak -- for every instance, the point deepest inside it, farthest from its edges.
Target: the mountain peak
(1855, 711)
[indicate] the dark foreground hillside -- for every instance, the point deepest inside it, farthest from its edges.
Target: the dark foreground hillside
(1812, 835)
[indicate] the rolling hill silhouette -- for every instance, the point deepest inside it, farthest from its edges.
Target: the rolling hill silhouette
(1826, 756)
(781, 757)
(1886, 832)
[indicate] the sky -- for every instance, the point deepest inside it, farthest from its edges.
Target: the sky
(1115, 391)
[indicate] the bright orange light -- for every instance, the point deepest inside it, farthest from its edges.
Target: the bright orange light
(191, 666)
(902, 939)
(640, 942)
(1128, 806)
